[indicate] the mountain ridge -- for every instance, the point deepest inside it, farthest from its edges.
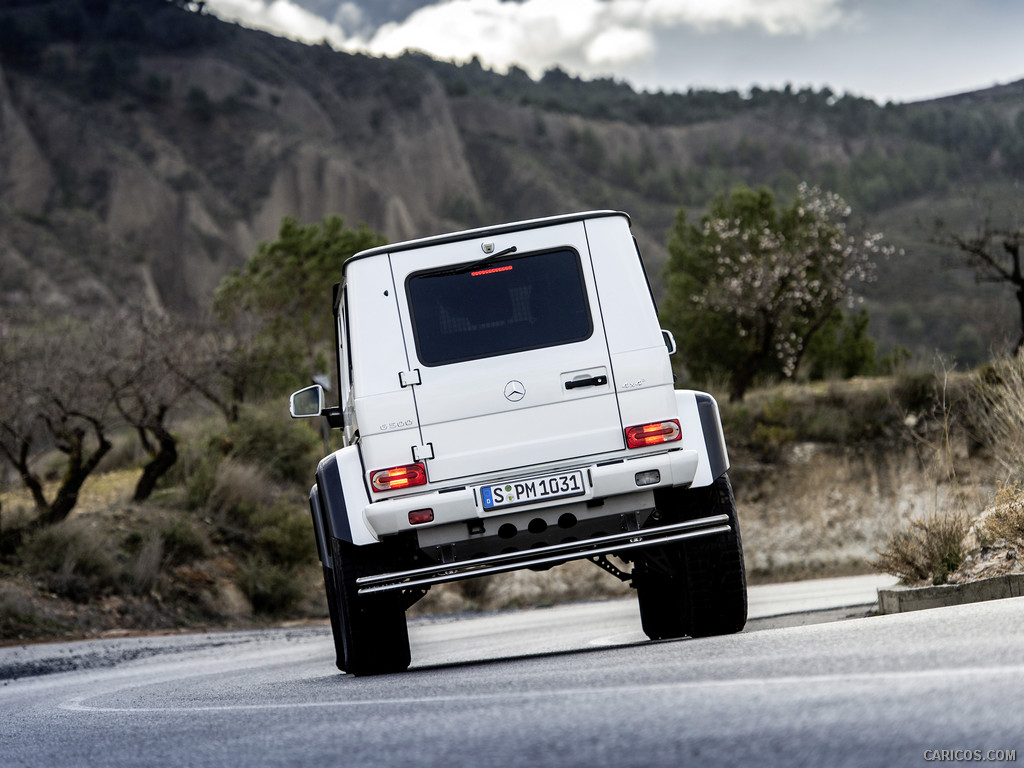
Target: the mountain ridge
(144, 164)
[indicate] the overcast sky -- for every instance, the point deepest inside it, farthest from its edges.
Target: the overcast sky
(899, 50)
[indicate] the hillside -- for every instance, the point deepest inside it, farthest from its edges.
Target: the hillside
(145, 149)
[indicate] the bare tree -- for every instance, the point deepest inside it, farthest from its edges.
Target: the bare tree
(144, 389)
(994, 255)
(53, 400)
(225, 362)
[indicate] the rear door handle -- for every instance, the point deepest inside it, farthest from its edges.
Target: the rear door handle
(593, 381)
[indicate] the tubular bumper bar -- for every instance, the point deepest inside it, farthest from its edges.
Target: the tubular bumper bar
(552, 555)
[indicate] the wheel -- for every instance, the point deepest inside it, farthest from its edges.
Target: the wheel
(371, 636)
(696, 587)
(715, 575)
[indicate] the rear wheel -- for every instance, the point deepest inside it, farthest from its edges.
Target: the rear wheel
(370, 632)
(696, 587)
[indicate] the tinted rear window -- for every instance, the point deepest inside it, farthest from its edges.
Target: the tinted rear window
(508, 305)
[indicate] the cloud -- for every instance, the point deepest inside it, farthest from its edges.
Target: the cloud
(775, 17)
(619, 45)
(585, 36)
(280, 17)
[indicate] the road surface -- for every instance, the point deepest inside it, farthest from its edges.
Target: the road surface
(569, 686)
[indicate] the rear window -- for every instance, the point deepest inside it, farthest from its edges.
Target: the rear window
(496, 307)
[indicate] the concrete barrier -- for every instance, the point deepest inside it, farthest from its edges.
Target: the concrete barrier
(899, 600)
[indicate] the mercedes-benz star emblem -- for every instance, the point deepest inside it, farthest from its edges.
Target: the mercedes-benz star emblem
(515, 391)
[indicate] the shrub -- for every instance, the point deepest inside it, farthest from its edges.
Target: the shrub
(196, 470)
(271, 588)
(22, 617)
(287, 449)
(997, 411)
(239, 489)
(72, 561)
(284, 534)
(928, 549)
(771, 439)
(183, 542)
(1006, 520)
(145, 571)
(914, 391)
(773, 429)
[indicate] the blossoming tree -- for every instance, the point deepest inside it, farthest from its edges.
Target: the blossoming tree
(749, 284)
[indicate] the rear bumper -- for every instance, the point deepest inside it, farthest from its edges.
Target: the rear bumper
(675, 468)
(546, 556)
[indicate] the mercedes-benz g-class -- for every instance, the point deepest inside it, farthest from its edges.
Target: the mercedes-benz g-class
(507, 401)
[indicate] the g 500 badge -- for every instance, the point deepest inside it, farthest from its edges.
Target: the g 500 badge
(401, 424)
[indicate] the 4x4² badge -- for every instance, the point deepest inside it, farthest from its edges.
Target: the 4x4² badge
(515, 391)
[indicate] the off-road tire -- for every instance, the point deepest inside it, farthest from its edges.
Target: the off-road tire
(715, 574)
(696, 587)
(371, 636)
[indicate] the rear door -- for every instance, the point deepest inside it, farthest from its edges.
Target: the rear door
(508, 356)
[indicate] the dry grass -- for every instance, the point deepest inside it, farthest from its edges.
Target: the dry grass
(827, 510)
(927, 550)
(225, 538)
(1005, 518)
(73, 559)
(101, 492)
(239, 488)
(997, 412)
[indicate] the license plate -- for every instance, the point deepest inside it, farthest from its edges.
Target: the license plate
(532, 489)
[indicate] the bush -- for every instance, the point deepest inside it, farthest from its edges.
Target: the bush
(239, 489)
(284, 534)
(183, 542)
(145, 571)
(72, 561)
(286, 448)
(22, 617)
(770, 440)
(915, 391)
(928, 549)
(196, 470)
(997, 411)
(271, 588)
(1006, 520)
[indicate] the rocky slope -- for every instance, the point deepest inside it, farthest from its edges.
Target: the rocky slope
(141, 159)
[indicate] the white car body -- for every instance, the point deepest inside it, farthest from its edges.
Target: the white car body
(504, 363)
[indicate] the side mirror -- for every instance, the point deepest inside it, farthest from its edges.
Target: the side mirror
(307, 403)
(670, 341)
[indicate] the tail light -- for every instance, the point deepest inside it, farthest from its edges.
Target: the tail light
(395, 478)
(656, 433)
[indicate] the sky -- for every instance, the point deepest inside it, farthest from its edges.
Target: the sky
(886, 50)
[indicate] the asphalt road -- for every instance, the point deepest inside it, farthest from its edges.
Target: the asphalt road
(568, 686)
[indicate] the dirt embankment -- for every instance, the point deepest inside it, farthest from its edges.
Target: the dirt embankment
(818, 510)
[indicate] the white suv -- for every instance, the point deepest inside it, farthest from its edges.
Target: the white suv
(507, 402)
